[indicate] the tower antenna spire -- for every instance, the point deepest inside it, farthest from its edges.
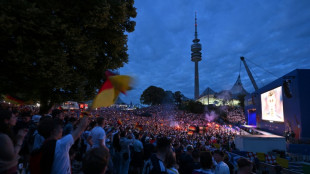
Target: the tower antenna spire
(196, 34)
(196, 57)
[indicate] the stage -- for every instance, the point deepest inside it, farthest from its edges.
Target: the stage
(260, 143)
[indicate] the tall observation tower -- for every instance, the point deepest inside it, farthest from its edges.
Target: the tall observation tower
(196, 57)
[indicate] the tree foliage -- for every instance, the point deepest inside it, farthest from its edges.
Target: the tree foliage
(52, 51)
(178, 97)
(192, 106)
(152, 96)
(169, 97)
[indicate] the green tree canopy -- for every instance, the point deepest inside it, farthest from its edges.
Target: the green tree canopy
(152, 96)
(195, 107)
(178, 97)
(52, 51)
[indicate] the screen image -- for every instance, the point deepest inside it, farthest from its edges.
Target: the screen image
(272, 105)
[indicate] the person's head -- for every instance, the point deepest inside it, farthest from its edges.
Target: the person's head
(244, 166)
(195, 155)
(206, 160)
(123, 133)
(36, 119)
(170, 160)
(72, 120)
(50, 128)
(7, 118)
(57, 129)
(57, 113)
(25, 116)
(163, 145)
(115, 142)
(218, 156)
(100, 121)
(189, 148)
(96, 161)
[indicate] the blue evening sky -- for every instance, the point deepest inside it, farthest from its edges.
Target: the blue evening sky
(274, 35)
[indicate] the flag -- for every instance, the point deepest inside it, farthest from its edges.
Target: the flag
(110, 89)
(260, 156)
(13, 100)
(282, 162)
(139, 127)
(217, 145)
(119, 122)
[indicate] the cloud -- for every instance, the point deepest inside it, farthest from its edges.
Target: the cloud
(273, 35)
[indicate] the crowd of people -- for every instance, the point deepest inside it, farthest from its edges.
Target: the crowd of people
(235, 114)
(157, 139)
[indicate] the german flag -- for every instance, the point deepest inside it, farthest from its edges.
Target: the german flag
(13, 100)
(139, 127)
(192, 128)
(119, 122)
(110, 89)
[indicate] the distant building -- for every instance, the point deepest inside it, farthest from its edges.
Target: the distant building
(225, 97)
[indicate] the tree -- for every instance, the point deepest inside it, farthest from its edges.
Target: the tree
(52, 51)
(169, 97)
(152, 96)
(193, 107)
(178, 97)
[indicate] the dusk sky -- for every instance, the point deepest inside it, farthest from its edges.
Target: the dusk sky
(275, 35)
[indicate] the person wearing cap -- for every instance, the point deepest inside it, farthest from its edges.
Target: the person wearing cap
(221, 167)
(33, 126)
(36, 118)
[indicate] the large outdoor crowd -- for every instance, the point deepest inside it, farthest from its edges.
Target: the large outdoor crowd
(156, 140)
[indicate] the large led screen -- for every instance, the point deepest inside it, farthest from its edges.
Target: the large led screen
(272, 105)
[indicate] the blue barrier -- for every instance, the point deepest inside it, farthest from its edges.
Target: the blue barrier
(303, 149)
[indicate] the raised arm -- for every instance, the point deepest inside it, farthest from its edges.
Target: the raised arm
(80, 128)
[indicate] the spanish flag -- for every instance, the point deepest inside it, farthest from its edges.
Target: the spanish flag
(110, 89)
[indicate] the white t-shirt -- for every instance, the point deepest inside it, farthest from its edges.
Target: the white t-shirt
(97, 134)
(222, 168)
(61, 164)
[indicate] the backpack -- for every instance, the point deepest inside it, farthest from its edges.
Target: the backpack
(154, 166)
(147, 167)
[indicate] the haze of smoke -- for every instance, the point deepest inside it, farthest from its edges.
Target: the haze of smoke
(174, 124)
(210, 117)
